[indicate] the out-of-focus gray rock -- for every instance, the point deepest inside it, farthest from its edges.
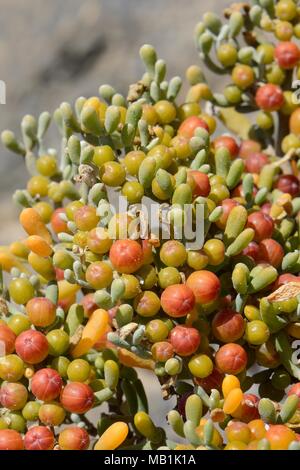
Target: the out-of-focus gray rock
(57, 50)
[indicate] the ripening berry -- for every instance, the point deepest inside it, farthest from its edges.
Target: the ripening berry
(73, 438)
(243, 76)
(77, 397)
(46, 384)
(39, 438)
(287, 55)
(177, 300)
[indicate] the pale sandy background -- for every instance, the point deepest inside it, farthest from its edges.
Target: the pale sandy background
(57, 50)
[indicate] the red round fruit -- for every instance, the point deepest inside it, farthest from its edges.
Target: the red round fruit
(229, 143)
(73, 438)
(147, 248)
(269, 97)
(41, 311)
(285, 279)
(10, 440)
(162, 351)
(252, 250)
(185, 340)
(262, 224)
(89, 304)
(228, 326)
(270, 252)
(227, 206)
(181, 402)
(288, 184)
(248, 147)
(177, 300)
(77, 397)
(287, 54)
(255, 162)
(46, 384)
(7, 340)
(212, 381)
(126, 256)
(13, 395)
(248, 408)
(266, 208)
(57, 223)
(190, 124)
(295, 390)
(39, 438)
(32, 346)
(202, 184)
(205, 285)
(239, 191)
(59, 274)
(231, 358)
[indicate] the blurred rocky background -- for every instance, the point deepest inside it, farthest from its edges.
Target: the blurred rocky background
(53, 51)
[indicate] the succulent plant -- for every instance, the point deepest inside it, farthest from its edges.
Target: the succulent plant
(97, 291)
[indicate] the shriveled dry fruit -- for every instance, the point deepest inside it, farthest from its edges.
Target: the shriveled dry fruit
(97, 291)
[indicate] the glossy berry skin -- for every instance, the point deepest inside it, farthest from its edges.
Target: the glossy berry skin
(86, 218)
(229, 143)
(185, 340)
(255, 162)
(231, 358)
(126, 256)
(238, 431)
(280, 437)
(190, 124)
(270, 251)
(89, 304)
(228, 326)
(7, 338)
(257, 332)
(201, 366)
(227, 206)
(39, 438)
(10, 440)
(41, 311)
(214, 380)
(32, 346)
(262, 224)
(288, 184)
(77, 397)
(248, 408)
(202, 184)
(177, 300)
(287, 54)
(162, 351)
(58, 225)
(295, 390)
(21, 290)
(205, 286)
(269, 97)
(173, 253)
(99, 275)
(284, 279)
(252, 250)
(46, 384)
(13, 395)
(73, 438)
(52, 414)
